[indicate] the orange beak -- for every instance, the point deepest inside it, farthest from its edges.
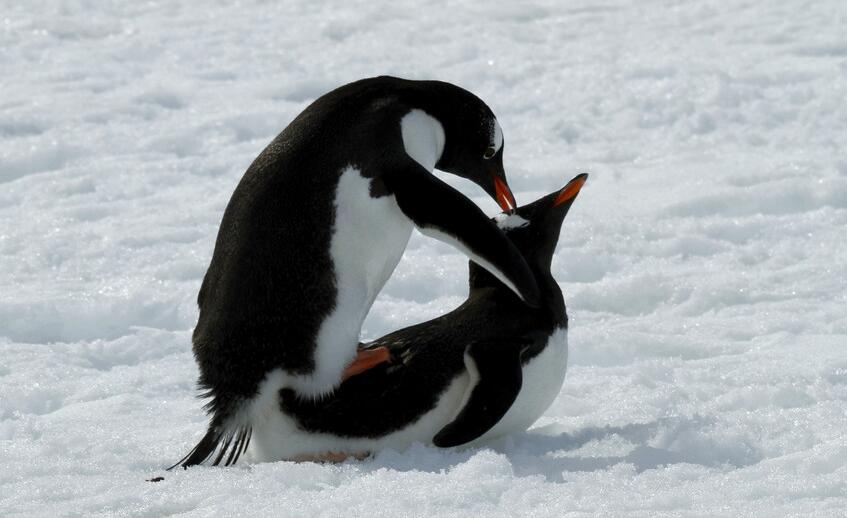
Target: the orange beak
(570, 190)
(503, 194)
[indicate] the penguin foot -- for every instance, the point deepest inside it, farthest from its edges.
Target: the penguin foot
(366, 359)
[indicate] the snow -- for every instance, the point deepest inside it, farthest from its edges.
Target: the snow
(703, 264)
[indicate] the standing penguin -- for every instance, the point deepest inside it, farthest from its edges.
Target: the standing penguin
(488, 368)
(315, 228)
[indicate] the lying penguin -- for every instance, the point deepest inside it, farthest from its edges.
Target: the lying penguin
(316, 226)
(489, 368)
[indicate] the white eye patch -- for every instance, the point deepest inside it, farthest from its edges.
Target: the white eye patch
(423, 138)
(496, 136)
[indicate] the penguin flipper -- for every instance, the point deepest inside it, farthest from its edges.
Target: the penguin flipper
(235, 443)
(442, 212)
(496, 379)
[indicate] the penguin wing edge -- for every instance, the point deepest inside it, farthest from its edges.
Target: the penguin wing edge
(496, 380)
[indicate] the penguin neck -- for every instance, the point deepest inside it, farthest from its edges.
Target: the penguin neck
(423, 137)
(551, 302)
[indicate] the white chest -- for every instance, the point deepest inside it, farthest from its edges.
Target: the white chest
(369, 237)
(368, 240)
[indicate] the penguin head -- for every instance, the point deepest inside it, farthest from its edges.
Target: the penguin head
(473, 147)
(534, 229)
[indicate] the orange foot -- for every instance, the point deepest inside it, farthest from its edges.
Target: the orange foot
(366, 359)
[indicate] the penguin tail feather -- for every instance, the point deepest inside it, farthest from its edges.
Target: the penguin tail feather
(229, 444)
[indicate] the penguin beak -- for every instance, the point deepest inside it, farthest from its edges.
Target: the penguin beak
(502, 194)
(570, 191)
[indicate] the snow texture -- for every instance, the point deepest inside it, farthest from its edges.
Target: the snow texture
(704, 264)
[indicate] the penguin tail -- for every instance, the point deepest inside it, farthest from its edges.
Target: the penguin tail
(229, 445)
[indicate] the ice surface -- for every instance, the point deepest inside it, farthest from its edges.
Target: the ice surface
(704, 264)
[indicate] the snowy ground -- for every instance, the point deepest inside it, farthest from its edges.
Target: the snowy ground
(704, 264)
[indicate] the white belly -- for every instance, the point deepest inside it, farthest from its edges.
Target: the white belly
(543, 377)
(370, 235)
(277, 437)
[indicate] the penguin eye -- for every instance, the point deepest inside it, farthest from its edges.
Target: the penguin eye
(490, 152)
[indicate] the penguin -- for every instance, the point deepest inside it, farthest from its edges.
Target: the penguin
(488, 368)
(316, 226)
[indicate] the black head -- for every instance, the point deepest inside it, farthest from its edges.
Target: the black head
(473, 146)
(534, 229)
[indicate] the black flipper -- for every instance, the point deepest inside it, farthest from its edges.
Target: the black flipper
(496, 369)
(442, 212)
(234, 442)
